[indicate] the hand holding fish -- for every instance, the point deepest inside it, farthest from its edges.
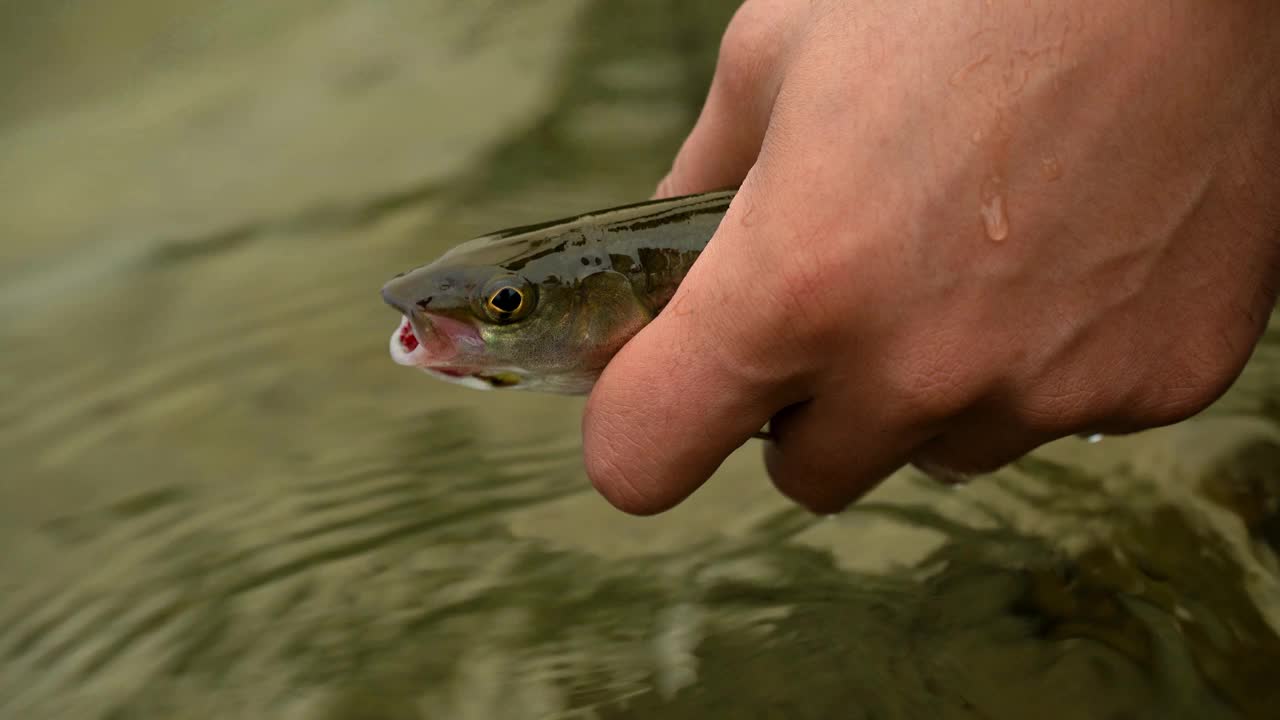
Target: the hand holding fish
(963, 231)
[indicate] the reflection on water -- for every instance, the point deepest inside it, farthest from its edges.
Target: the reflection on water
(221, 499)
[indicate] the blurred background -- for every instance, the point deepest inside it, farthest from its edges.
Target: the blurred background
(220, 498)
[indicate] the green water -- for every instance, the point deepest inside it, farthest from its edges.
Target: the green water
(220, 499)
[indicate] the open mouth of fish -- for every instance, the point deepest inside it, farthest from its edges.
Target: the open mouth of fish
(408, 349)
(432, 356)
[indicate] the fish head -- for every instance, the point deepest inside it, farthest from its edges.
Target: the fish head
(486, 326)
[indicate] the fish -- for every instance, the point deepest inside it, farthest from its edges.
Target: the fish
(545, 307)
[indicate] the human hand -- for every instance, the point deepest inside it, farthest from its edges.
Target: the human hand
(963, 231)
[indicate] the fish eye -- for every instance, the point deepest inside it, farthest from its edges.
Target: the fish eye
(506, 300)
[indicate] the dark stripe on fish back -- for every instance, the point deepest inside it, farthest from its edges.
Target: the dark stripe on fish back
(523, 229)
(664, 219)
(674, 225)
(519, 263)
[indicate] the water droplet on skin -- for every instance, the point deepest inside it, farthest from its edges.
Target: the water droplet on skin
(994, 218)
(1050, 168)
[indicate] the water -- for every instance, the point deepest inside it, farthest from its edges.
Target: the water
(220, 498)
(995, 219)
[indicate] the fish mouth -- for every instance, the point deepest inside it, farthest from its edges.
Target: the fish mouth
(422, 340)
(423, 347)
(433, 345)
(408, 348)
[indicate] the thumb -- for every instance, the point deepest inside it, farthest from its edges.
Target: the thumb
(683, 394)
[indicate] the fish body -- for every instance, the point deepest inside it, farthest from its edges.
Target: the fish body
(544, 307)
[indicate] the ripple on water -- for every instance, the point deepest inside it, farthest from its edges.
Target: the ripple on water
(156, 567)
